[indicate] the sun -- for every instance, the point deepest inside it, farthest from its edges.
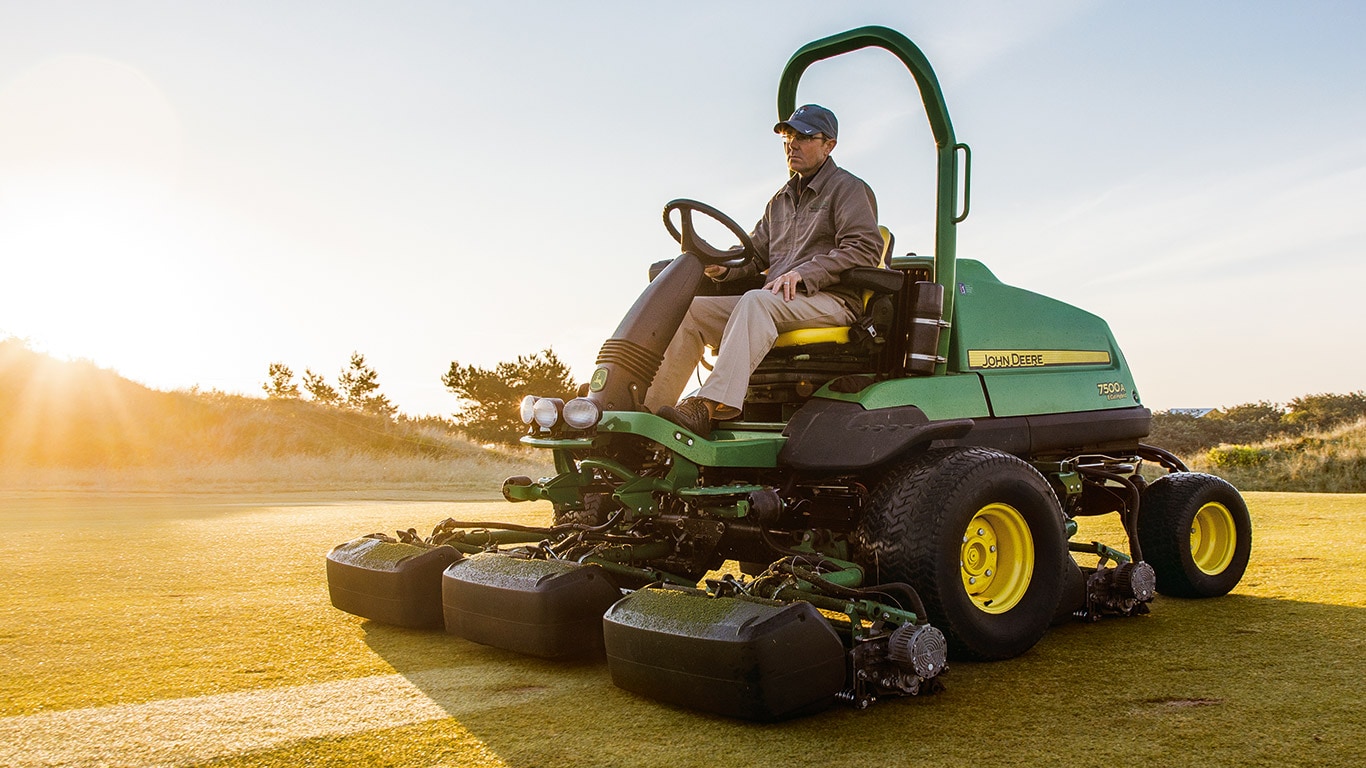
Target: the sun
(91, 151)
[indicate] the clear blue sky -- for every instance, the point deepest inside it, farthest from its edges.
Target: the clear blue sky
(192, 190)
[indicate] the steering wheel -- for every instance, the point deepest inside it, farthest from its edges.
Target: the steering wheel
(694, 244)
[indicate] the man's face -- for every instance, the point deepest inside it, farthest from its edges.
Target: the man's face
(805, 153)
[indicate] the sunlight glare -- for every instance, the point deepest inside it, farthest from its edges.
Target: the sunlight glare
(90, 225)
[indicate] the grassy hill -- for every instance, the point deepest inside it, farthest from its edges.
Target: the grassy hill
(1327, 461)
(73, 424)
(65, 424)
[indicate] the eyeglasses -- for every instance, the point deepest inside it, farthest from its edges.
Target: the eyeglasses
(789, 138)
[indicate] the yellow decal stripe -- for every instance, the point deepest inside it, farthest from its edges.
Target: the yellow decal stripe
(1035, 358)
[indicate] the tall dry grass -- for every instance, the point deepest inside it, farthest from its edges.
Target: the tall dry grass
(71, 425)
(1331, 461)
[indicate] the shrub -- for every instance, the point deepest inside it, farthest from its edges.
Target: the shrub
(1226, 456)
(1325, 411)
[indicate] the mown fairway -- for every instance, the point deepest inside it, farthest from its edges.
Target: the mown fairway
(196, 630)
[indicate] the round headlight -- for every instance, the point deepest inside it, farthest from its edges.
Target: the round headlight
(581, 413)
(528, 406)
(547, 411)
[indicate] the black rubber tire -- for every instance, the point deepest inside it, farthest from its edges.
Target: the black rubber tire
(1166, 524)
(596, 509)
(914, 529)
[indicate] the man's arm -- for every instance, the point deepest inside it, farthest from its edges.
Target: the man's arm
(853, 210)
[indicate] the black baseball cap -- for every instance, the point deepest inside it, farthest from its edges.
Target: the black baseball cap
(809, 120)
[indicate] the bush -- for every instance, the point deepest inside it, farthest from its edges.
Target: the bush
(1187, 435)
(76, 415)
(1327, 411)
(1226, 456)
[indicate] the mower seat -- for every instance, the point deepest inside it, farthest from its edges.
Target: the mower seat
(873, 282)
(803, 360)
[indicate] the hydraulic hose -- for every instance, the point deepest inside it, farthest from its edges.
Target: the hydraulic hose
(907, 591)
(1130, 514)
(1166, 458)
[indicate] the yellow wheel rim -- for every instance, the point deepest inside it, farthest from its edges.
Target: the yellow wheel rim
(1213, 538)
(997, 559)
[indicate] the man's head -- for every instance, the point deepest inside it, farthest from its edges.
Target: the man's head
(808, 137)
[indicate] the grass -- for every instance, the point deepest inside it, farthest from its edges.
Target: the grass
(474, 476)
(118, 604)
(1330, 461)
(70, 425)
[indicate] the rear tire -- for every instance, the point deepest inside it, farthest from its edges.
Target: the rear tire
(1196, 534)
(979, 534)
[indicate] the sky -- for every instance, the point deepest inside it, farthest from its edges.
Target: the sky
(190, 191)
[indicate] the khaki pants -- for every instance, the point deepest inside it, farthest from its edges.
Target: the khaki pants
(745, 328)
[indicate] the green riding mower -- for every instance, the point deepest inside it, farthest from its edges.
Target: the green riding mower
(896, 494)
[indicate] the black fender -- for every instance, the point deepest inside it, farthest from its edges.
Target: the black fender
(835, 435)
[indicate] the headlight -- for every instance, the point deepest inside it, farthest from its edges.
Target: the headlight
(547, 411)
(582, 413)
(528, 406)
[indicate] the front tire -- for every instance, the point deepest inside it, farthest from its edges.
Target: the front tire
(1196, 534)
(979, 534)
(597, 507)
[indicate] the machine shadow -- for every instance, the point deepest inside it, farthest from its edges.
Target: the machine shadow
(1222, 655)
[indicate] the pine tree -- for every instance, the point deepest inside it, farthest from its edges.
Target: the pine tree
(318, 387)
(280, 383)
(489, 412)
(358, 387)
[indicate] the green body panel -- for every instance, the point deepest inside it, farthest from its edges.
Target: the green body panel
(1012, 352)
(1034, 354)
(952, 396)
(1032, 394)
(726, 448)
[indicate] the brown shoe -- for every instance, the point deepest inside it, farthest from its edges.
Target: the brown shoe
(692, 414)
(699, 414)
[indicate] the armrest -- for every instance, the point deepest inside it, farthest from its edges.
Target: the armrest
(875, 279)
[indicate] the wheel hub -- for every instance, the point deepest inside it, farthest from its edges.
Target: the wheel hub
(997, 558)
(1213, 538)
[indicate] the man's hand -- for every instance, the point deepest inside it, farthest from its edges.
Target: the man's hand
(716, 271)
(785, 284)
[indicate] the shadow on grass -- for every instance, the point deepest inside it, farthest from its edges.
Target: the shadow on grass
(1232, 681)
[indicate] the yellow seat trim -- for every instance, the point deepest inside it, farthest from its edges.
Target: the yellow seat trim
(834, 334)
(802, 336)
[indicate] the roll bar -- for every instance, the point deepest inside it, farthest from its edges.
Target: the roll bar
(947, 214)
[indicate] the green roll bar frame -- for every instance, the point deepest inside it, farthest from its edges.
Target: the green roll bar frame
(947, 214)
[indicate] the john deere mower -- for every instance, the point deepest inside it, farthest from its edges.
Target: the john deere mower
(897, 494)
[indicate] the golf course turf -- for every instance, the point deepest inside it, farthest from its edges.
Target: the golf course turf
(196, 630)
